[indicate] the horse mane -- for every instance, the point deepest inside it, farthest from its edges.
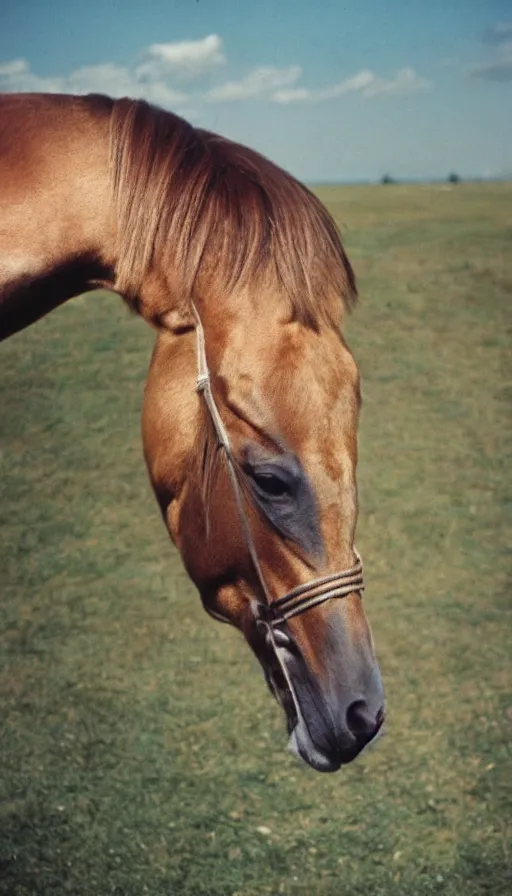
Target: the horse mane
(212, 211)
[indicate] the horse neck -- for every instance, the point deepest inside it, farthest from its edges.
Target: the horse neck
(56, 228)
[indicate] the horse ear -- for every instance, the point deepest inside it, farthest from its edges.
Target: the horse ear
(161, 304)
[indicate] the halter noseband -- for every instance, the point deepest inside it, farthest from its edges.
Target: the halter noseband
(304, 597)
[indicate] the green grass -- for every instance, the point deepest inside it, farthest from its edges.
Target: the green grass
(139, 750)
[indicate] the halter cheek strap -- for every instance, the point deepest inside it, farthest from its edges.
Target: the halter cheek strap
(304, 597)
(204, 387)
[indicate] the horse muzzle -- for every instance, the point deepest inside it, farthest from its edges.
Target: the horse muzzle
(331, 718)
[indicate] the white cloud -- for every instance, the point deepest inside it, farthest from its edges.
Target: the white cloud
(162, 64)
(13, 68)
(185, 59)
(405, 81)
(107, 77)
(501, 31)
(120, 81)
(16, 75)
(151, 79)
(104, 78)
(361, 81)
(365, 82)
(497, 69)
(498, 66)
(258, 82)
(292, 95)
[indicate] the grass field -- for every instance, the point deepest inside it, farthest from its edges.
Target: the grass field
(140, 750)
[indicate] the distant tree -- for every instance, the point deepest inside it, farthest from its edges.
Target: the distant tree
(453, 178)
(387, 179)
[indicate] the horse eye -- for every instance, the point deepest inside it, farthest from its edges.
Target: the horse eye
(271, 484)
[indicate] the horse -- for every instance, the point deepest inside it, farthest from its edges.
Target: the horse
(252, 399)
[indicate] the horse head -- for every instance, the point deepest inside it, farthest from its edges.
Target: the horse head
(268, 508)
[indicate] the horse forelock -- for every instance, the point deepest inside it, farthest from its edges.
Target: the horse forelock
(217, 214)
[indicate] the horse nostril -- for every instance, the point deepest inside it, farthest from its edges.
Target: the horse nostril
(361, 722)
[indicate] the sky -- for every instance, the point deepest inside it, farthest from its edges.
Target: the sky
(333, 91)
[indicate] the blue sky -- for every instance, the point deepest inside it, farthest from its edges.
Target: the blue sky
(331, 90)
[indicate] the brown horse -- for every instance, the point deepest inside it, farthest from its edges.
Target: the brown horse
(251, 406)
